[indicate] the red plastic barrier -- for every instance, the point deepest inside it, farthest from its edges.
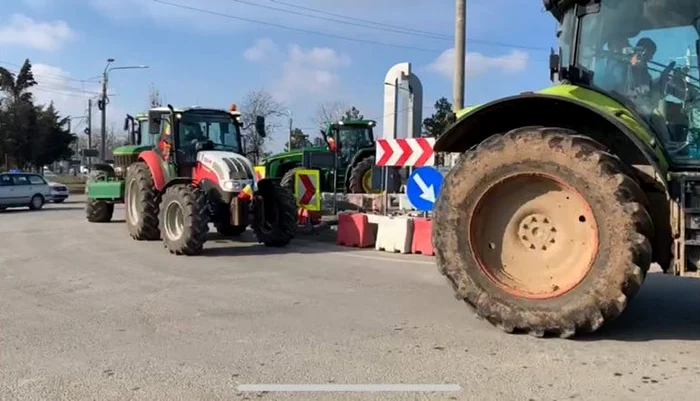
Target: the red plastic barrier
(422, 237)
(354, 230)
(304, 215)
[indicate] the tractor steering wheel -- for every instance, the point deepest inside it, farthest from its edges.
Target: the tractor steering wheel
(665, 78)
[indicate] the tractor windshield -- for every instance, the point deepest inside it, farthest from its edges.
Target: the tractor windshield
(146, 138)
(644, 54)
(219, 127)
(353, 138)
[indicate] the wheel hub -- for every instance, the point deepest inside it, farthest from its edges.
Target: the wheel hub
(533, 235)
(537, 232)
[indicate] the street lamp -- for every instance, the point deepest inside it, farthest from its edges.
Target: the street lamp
(102, 103)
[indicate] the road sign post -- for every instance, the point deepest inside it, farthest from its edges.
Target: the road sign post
(307, 189)
(423, 188)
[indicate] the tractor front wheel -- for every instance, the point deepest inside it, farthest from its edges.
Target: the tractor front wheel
(541, 231)
(99, 211)
(141, 201)
(184, 219)
(275, 220)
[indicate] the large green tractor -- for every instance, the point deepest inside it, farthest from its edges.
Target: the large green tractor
(352, 141)
(105, 185)
(562, 198)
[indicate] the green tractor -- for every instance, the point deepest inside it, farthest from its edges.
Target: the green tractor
(562, 198)
(196, 174)
(352, 141)
(105, 185)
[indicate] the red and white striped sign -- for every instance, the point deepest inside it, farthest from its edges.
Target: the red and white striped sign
(403, 152)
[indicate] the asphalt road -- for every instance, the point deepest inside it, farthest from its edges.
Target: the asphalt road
(88, 313)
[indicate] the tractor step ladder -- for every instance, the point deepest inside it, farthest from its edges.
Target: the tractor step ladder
(687, 246)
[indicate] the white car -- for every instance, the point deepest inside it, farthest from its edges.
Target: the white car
(23, 190)
(59, 192)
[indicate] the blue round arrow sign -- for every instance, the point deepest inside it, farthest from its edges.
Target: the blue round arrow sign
(423, 188)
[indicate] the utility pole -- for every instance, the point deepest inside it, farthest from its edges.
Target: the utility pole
(460, 55)
(289, 113)
(102, 103)
(460, 52)
(88, 131)
(103, 107)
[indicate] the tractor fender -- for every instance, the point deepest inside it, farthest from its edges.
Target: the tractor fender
(176, 181)
(533, 109)
(152, 159)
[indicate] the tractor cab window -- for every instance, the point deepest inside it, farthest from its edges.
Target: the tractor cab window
(352, 139)
(644, 54)
(220, 128)
(146, 137)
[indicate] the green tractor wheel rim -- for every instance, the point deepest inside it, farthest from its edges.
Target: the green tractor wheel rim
(132, 213)
(174, 221)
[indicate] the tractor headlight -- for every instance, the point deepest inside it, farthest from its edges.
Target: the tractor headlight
(118, 171)
(231, 185)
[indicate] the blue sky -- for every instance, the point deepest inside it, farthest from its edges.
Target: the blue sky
(210, 60)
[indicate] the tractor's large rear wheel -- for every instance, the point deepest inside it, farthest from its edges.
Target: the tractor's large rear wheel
(540, 231)
(275, 214)
(184, 219)
(360, 180)
(141, 201)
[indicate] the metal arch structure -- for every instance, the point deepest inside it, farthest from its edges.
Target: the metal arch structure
(402, 86)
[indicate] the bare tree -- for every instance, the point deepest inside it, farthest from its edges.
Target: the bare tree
(113, 139)
(329, 112)
(155, 99)
(259, 103)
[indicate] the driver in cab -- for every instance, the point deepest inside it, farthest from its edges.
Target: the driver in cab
(193, 133)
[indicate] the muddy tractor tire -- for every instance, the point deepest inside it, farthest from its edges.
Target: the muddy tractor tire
(360, 180)
(275, 214)
(184, 219)
(540, 231)
(141, 201)
(99, 211)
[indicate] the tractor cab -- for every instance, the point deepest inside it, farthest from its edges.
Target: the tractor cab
(643, 54)
(349, 137)
(184, 134)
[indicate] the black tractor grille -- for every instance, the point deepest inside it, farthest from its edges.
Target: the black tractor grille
(124, 161)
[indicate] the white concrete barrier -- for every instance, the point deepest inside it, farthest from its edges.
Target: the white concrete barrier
(394, 234)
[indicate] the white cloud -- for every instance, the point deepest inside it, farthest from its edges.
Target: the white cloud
(478, 64)
(311, 71)
(24, 31)
(261, 49)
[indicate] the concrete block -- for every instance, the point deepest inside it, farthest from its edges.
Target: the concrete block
(394, 234)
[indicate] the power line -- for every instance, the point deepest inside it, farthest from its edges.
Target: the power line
(45, 75)
(345, 21)
(407, 30)
(330, 35)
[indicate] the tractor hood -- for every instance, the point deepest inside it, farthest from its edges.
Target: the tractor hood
(296, 153)
(231, 171)
(130, 150)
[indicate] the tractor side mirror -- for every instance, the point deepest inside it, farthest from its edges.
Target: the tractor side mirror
(260, 126)
(137, 132)
(554, 62)
(126, 123)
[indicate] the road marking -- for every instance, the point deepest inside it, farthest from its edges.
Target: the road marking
(327, 388)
